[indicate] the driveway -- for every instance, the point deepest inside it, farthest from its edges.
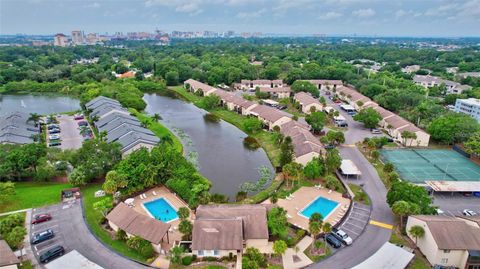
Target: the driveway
(378, 231)
(70, 133)
(72, 232)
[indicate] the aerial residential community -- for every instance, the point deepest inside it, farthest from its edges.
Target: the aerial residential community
(342, 136)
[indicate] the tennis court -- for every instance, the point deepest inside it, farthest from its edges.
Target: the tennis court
(419, 165)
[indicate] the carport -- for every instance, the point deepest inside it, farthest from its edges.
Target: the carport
(72, 260)
(388, 256)
(454, 186)
(348, 169)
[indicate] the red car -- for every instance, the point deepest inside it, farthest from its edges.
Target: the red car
(41, 218)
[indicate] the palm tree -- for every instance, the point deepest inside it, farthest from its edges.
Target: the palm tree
(417, 231)
(314, 228)
(401, 208)
(327, 228)
(167, 140)
(52, 118)
(292, 171)
(156, 117)
(35, 118)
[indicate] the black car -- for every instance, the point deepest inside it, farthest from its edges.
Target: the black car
(54, 131)
(54, 143)
(51, 254)
(333, 241)
(53, 126)
(43, 236)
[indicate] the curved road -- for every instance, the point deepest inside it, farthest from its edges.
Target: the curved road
(373, 237)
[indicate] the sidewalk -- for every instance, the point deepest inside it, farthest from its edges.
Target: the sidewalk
(13, 212)
(287, 257)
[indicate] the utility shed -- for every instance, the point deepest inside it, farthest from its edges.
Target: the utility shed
(388, 256)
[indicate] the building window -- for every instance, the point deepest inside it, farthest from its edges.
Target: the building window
(446, 251)
(200, 253)
(444, 260)
(216, 253)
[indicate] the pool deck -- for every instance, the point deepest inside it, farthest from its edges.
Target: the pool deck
(173, 199)
(306, 195)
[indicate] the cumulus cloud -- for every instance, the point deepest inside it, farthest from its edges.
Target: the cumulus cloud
(251, 15)
(364, 13)
(330, 15)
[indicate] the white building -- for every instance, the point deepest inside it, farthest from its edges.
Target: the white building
(452, 87)
(78, 37)
(470, 106)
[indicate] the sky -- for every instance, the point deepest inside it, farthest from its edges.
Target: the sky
(427, 18)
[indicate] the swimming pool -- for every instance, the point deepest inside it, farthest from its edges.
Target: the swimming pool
(161, 209)
(320, 205)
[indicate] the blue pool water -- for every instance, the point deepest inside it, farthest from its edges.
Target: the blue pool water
(162, 210)
(320, 205)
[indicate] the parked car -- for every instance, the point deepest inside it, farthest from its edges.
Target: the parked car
(54, 131)
(51, 254)
(53, 126)
(54, 137)
(54, 143)
(42, 236)
(82, 123)
(333, 241)
(41, 218)
(468, 212)
(342, 124)
(342, 236)
(375, 131)
(78, 117)
(329, 146)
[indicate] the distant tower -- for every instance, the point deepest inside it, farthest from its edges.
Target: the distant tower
(78, 37)
(60, 40)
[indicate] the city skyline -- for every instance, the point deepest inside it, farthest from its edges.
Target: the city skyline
(303, 17)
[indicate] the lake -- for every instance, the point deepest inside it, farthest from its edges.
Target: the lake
(215, 146)
(40, 104)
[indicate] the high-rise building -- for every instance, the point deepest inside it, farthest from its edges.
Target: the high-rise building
(60, 40)
(78, 37)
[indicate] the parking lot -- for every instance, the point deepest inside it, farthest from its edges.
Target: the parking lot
(356, 220)
(453, 205)
(70, 133)
(55, 224)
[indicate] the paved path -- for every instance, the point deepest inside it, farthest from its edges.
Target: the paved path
(14, 212)
(72, 232)
(287, 257)
(374, 236)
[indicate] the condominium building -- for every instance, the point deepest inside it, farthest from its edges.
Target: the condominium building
(60, 40)
(78, 37)
(470, 106)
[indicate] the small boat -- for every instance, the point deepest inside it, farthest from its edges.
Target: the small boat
(23, 103)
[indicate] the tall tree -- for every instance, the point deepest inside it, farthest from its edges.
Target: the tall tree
(417, 232)
(369, 117)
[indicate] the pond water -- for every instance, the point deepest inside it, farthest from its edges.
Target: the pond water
(214, 145)
(40, 104)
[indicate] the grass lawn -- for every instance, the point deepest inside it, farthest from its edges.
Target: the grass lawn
(185, 94)
(26, 265)
(157, 128)
(93, 218)
(378, 166)
(33, 195)
(360, 195)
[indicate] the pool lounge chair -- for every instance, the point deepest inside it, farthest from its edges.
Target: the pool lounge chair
(145, 195)
(288, 198)
(289, 216)
(141, 196)
(154, 193)
(329, 191)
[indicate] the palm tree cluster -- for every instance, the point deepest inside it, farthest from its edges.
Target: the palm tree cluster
(316, 226)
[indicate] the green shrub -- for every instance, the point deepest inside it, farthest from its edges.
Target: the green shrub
(187, 260)
(121, 235)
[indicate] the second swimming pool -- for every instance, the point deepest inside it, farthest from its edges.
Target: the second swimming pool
(320, 205)
(161, 209)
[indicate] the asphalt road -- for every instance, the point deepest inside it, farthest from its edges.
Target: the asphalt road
(70, 133)
(72, 233)
(373, 237)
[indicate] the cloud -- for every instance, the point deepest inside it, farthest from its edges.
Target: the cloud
(364, 13)
(93, 5)
(251, 15)
(330, 15)
(400, 13)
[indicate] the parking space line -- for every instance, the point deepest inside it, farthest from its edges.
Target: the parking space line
(360, 220)
(350, 231)
(354, 225)
(381, 224)
(362, 209)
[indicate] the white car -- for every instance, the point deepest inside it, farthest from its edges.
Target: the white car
(376, 131)
(54, 137)
(468, 212)
(343, 236)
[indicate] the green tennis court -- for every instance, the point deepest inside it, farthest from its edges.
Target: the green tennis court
(419, 165)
